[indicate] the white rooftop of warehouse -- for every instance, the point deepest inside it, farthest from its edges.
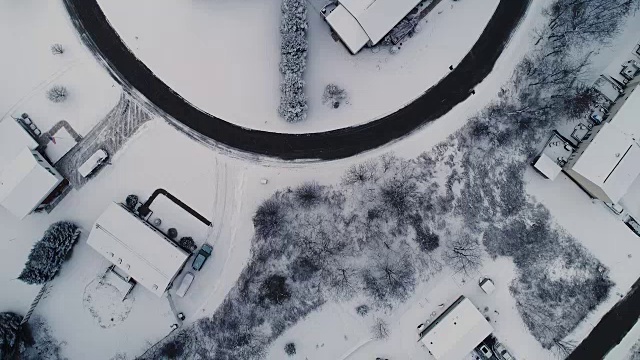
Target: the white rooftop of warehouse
(360, 21)
(457, 331)
(24, 184)
(611, 161)
(137, 248)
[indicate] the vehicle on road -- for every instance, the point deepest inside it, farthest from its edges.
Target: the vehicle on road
(502, 352)
(185, 284)
(201, 257)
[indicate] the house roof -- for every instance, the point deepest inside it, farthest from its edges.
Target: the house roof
(24, 184)
(13, 139)
(611, 161)
(547, 166)
(137, 248)
(457, 331)
(627, 118)
(348, 28)
(371, 18)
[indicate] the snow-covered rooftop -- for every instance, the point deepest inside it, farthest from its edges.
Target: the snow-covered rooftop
(457, 331)
(348, 29)
(611, 162)
(13, 139)
(547, 166)
(355, 19)
(628, 117)
(25, 183)
(136, 248)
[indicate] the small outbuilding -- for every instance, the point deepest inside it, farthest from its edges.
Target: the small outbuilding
(137, 249)
(455, 333)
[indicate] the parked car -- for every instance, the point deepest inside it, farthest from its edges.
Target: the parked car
(202, 256)
(503, 352)
(93, 163)
(484, 351)
(185, 284)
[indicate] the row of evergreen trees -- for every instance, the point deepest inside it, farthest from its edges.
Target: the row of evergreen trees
(293, 51)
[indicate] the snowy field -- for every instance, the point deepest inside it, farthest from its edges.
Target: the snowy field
(223, 57)
(29, 68)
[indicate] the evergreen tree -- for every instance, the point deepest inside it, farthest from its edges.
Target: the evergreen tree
(48, 254)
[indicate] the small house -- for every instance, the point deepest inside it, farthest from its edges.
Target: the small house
(137, 249)
(366, 22)
(27, 179)
(455, 333)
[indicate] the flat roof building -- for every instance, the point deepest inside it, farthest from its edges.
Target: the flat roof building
(137, 249)
(26, 177)
(362, 22)
(455, 333)
(607, 163)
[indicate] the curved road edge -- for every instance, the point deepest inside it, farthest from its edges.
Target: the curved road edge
(136, 78)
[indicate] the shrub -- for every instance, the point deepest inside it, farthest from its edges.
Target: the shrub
(308, 194)
(57, 49)
(188, 244)
(48, 254)
(274, 290)
(131, 202)
(57, 93)
(426, 239)
(303, 269)
(333, 95)
(268, 219)
(293, 102)
(399, 195)
(172, 233)
(173, 349)
(9, 333)
(290, 349)
(362, 310)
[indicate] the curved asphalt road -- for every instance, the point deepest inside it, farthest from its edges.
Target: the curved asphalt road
(129, 71)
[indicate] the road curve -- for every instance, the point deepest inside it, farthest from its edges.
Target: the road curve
(135, 77)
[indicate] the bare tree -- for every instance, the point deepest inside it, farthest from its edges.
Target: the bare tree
(390, 277)
(463, 255)
(361, 173)
(340, 279)
(380, 329)
(57, 93)
(57, 49)
(563, 348)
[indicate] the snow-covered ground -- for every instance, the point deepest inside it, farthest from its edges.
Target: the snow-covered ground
(226, 190)
(223, 57)
(29, 28)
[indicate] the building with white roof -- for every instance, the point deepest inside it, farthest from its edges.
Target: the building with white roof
(606, 164)
(625, 113)
(26, 177)
(362, 22)
(137, 249)
(455, 333)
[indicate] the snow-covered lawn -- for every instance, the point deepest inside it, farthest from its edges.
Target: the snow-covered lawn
(29, 68)
(223, 57)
